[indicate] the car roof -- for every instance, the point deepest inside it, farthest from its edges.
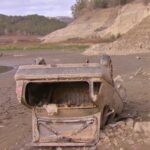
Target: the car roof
(35, 72)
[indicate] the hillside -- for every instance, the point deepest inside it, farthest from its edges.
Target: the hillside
(84, 26)
(28, 25)
(134, 41)
(128, 17)
(101, 25)
(137, 39)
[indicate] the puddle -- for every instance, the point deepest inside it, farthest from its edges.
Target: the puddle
(4, 69)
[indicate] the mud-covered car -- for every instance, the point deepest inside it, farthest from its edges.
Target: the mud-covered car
(70, 103)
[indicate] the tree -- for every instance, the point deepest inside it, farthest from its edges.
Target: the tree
(76, 8)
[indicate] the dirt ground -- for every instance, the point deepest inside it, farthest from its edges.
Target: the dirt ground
(13, 39)
(129, 134)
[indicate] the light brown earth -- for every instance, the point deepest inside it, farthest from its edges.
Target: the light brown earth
(134, 41)
(88, 22)
(13, 39)
(101, 24)
(15, 119)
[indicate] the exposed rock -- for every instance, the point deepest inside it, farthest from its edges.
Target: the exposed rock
(106, 139)
(130, 123)
(102, 135)
(138, 57)
(1, 54)
(137, 127)
(40, 61)
(121, 124)
(142, 127)
(115, 142)
(117, 124)
(58, 148)
(131, 77)
(51, 109)
(120, 88)
(139, 71)
(18, 55)
(140, 45)
(131, 142)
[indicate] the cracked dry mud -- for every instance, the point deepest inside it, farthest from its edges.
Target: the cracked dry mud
(126, 134)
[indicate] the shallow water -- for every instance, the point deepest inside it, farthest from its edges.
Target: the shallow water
(5, 69)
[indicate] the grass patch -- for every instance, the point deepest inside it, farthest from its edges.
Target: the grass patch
(31, 47)
(100, 29)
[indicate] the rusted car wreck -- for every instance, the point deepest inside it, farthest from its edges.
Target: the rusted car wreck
(70, 102)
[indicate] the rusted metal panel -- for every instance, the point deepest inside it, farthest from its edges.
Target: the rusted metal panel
(70, 131)
(68, 71)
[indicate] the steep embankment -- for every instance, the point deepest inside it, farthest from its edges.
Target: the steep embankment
(84, 26)
(101, 24)
(128, 17)
(137, 40)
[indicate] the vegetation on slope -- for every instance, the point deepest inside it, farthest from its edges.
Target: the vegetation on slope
(93, 4)
(38, 46)
(28, 25)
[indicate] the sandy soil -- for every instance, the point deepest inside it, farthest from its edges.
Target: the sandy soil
(13, 39)
(15, 119)
(134, 41)
(101, 24)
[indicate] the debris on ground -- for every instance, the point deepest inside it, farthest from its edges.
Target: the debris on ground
(40, 61)
(139, 71)
(131, 77)
(120, 87)
(138, 57)
(130, 123)
(1, 126)
(51, 109)
(1, 54)
(142, 127)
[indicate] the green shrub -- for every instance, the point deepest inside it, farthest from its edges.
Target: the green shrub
(81, 4)
(77, 8)
(101, 3)
(28, 25)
